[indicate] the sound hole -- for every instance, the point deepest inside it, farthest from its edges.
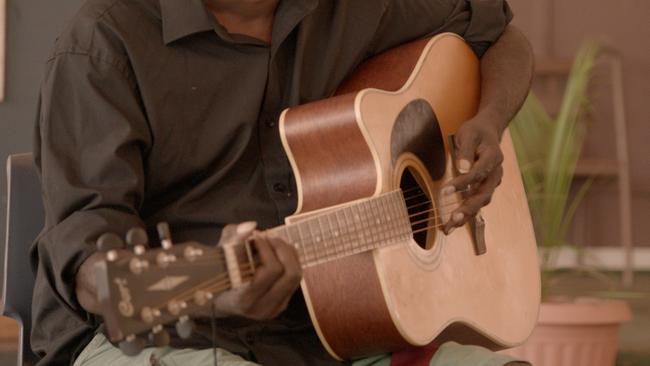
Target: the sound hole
(420, 208)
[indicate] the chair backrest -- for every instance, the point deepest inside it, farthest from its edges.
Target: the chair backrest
(25, 219)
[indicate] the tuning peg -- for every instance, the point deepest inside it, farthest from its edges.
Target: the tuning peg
(159, 337)
(137, 266)
(132, 345)
(184, 327)
(164, 235)
(109, 241)
(191, 254)
(202, 297)
(137, 236)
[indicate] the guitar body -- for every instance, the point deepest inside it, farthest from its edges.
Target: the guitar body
(388, 128)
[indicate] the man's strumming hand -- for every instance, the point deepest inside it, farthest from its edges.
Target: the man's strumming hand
(479, 159)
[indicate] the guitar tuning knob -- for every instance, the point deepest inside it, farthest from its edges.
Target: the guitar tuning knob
(137, 236)
(159, 337)
(132, 345)
(164, 235)
(184, 327)
(109, 243)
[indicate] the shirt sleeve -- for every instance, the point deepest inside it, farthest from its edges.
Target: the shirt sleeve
(91, 137)
(479, 22)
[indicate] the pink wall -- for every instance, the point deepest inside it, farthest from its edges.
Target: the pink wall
(557, 28)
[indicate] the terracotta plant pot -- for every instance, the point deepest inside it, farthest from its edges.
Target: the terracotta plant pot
(583, 332)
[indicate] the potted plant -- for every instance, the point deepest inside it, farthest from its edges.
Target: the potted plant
(580, 331)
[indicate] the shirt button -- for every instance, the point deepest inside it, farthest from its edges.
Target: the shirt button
(280, 188)
(270, 123)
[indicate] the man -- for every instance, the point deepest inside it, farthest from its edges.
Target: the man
(166, 110)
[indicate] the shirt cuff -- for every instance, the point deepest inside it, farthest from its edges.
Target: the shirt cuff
(61, 250)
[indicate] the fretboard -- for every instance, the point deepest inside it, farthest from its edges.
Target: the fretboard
(350, 229)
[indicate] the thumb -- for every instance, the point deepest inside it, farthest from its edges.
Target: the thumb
(466, 144)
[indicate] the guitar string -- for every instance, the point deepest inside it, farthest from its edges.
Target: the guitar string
(213, 286)
(222, 282)
(423, 193)
(219, 280)
(219, 255)
(435, 209)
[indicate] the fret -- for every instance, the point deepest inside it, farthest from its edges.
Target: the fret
(394, 204)
(336, 229)
(395, 227)
(314, 239)
(379, 222)
(352, 230)
(403, 216)
(294, 237)
(370, 225)
(324, 242)
(333, 232)
(383, 221)
(343, 230)
(367, 226)
(308, 250)
(358, 225)
(379, 215)
(399, 215)
(363, 226)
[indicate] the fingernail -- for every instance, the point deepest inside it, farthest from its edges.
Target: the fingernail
(446, 191)
(451, 230)
(246, 227)
(458, 217)
(464, 166)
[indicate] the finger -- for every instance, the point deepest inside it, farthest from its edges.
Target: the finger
(489, 158)
(266, 274)
(466, 142)
(473, 202)
(277, 298)
(237, 233)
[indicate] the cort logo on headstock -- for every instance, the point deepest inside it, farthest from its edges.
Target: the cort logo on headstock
(125, 306)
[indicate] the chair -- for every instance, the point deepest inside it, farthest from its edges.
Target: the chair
(25, 219)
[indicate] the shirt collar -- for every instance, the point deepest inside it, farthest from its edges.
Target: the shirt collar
(181, 18)
(288, 15)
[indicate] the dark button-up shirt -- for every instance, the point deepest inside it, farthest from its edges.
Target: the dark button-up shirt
(151, 111)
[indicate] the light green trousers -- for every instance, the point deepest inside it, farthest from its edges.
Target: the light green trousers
(100, 352)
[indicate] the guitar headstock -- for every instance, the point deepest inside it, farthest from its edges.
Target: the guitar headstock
(143, 289)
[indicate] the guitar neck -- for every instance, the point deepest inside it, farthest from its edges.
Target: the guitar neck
(362, 226)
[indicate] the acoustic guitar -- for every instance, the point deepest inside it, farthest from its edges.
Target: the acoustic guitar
(379, 275)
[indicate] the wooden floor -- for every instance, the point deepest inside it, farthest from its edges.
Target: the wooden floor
(634, 336)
